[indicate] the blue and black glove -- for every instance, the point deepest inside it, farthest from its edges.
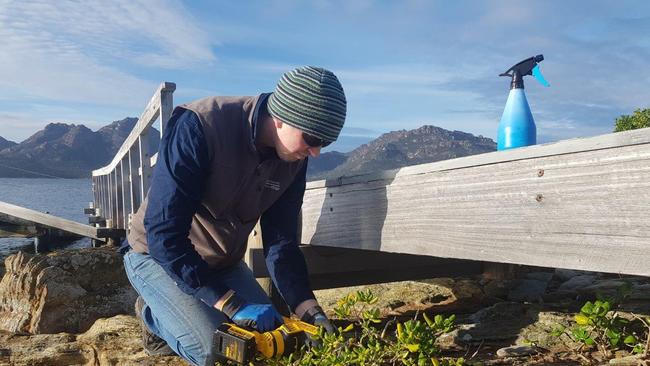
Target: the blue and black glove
(316, 316)
(262, 317)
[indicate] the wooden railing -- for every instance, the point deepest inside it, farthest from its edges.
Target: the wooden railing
(579, 204)
(120, 187)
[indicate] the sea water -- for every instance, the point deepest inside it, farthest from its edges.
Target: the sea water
(65, 198)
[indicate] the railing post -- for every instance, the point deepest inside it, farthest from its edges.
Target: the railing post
(166, 105)
(133, 179)
(125, 194)
(145, 165)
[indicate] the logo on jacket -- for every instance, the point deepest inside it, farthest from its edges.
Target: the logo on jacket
(271, 184)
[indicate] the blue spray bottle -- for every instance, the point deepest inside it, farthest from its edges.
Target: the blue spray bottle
(517, 126)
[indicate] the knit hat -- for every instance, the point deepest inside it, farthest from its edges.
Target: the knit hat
(310, 99)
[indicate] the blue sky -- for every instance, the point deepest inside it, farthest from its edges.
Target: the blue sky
(402, 64)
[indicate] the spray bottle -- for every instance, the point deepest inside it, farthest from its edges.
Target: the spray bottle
(517, 126)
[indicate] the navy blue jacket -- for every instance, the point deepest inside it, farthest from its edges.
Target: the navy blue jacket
(174, 196)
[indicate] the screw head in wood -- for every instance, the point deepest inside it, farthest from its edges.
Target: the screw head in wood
(540, 172)
(539, 197)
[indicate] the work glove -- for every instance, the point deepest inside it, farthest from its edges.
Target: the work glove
(262, 317)
(316, 316)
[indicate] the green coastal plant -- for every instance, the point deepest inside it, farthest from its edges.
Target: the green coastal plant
(597, 325)
(363, 341)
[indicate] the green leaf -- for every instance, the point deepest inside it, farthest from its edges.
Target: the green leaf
(438, 319)
(587, 308)
(589, 341)
(581, 319)
(630, 340)
(412, 347)
(558, 330)
(427, 319)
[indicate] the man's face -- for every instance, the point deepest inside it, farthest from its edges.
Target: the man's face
(290, 145)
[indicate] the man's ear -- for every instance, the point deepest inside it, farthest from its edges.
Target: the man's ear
(277, 122)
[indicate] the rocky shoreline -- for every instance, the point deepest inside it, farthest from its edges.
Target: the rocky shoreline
(75, 307)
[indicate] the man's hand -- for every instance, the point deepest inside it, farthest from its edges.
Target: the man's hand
(262, 317)
(316, 316)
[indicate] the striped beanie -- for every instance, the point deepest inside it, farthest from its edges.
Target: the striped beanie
(310, 99)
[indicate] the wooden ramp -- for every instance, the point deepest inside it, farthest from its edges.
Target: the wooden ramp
(580, 204)
(28, 219)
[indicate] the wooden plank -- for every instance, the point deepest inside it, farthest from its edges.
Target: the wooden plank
(134, 164)
(97, 220)
(47, 220)
(580, 204)
(144, 169)
(607, 141)
(166, 108)
(148, 116)
(339, 267)
(126, 192)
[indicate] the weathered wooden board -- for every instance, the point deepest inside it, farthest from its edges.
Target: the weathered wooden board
(16, 214)
(579, 204)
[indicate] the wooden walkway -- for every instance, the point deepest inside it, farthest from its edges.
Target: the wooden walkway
(33, 221)
(578, 204)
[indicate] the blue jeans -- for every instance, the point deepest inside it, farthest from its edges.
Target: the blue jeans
(184, 322)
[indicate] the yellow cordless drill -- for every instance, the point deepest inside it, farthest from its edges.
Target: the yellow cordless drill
(240, 345)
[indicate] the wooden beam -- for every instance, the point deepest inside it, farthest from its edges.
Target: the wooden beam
(16, 214)
(578, 204)
(341, 267)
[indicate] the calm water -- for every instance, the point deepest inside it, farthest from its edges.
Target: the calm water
(65, 198)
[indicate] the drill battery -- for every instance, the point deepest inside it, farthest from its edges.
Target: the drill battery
(240, 345)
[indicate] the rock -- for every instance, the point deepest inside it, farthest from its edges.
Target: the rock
(564, 275)
(540, 276)
(577, 282)
(60, 291)
(539, 332)
(528, 290)
(640, 292)
(497, 323)
(498, 289)
(417, 295)
(627, 361)
(608, 289)
(559, 297)
(394, 304)
(111, 341)
(516, 351)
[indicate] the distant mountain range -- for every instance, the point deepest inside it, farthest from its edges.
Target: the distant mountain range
(399, 149)
(6, 143)
(73, 151)
(66, 150)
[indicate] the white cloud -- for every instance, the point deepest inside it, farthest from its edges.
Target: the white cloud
(70, 51)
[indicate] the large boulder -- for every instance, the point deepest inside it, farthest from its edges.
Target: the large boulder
(65, 291)
(109, 342)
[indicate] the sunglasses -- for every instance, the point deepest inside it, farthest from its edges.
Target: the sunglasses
(313, 141)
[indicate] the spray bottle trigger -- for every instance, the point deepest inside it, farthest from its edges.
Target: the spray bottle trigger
(538, 75)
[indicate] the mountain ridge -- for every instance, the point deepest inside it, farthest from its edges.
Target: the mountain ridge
(402, 148)
(4, 143)
(63, 150)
